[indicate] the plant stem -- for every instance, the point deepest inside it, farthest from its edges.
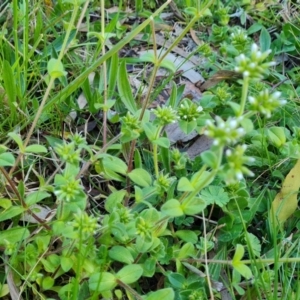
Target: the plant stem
(244, 95)
(104, 74)
(246, 261)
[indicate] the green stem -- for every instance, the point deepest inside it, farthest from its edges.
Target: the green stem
(244, 95)
(155, 155)
(245, 262)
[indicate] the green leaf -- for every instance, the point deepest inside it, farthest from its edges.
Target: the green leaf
(5, 203)
(264, 40)
(201, 179)
(194, 206)
(165, 294)
(210, 158)
(17, 139)
(149, 267)
(112, 78)
(130, 274)
(184, 185)
(254, 244)
(14, 235)
(47, 282)
(187, 127)
(66, 263)
(191, 11)
(9, 85)
(162, 141)
(36, 197)
(187, 250)
(101, 282)
(140, 177)
(11, 212)
(113, 200)
(113, 163)
(239, 253)
(177, 280)
(215, 195)
(7, 160)
(277, 136)
(187, 236)
(242, 269)
(36, 149)
(141, 245)
(124, 89)
(150, 130)
(165, 63)
(121, 254)
(55, 68)
(172, 208)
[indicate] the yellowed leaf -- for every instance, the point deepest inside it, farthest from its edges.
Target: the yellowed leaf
(285, 202)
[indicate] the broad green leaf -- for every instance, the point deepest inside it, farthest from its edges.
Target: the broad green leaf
(172, 208)
(201, 179)
(66, 263)
(184, 185)
(191, 11)
(187, 127)
(215, 195)
(239, 253)
(7, 160)
(210, 158)
(140, 177)
(187, 250)
(264, 40)
(124, 89)
(109, 163)
(5, 203)
(150, 130)
(55, 68)
(187, 236)
(36, 197)
(285, 202)
(101, 282)
(254, 244)
(177, 280)
(164, 294)
(11, 212)
(17, 138)
(36, 149)
(194, 206)
(162, 142)
(242, 269)
(130, 274)
(14, 235)
(141, 245)
(121, 254)
(277, 136)
(165, 63)
(149, 267)
(113, 200)
(47, 282)
(4, 290)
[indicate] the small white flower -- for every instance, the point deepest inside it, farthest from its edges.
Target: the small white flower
(254, 48)
(228, 152)
(246, 74)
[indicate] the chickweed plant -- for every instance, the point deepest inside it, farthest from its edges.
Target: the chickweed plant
(118, 212)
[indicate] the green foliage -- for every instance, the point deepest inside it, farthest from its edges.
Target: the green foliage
(99, 214)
